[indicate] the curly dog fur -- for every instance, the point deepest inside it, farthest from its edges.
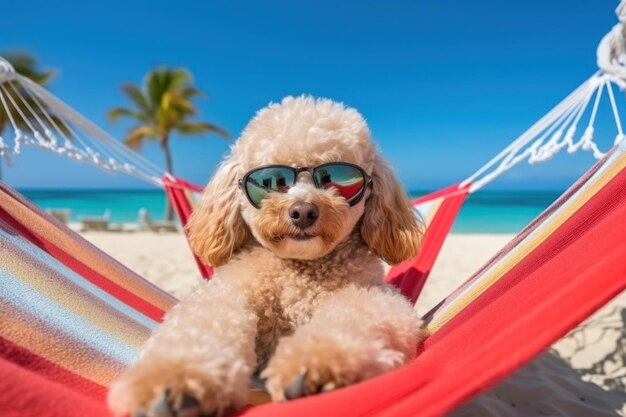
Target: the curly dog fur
(314, 313)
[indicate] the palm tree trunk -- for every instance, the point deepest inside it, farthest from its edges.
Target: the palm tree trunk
(169, 166)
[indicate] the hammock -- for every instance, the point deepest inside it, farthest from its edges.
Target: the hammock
(57, 355)
(73, 318)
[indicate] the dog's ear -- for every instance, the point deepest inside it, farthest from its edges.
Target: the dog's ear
(390, 228)
(216, 228)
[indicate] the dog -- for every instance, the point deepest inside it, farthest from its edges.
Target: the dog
(295, 222)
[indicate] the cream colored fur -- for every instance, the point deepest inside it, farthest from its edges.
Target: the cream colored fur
(318, 307)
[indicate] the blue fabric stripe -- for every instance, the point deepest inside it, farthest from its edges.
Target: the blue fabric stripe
(28, 299)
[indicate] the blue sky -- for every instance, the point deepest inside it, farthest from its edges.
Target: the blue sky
(443, 84)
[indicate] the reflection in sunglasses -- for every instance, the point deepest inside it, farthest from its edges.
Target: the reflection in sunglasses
(349, 180)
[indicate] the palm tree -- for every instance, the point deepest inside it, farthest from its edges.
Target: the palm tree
(26, 65)
(163, 106)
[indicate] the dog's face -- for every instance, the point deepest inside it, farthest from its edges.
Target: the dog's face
(303, 221)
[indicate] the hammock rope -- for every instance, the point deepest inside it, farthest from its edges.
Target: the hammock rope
(556, 131)
(37, 118)
(561, 123)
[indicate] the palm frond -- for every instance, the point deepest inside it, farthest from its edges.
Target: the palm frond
(202, 127)
(117, 112)
(181, 103)
(189, 92)
(155, 84)
(136, 137)
(179, 78)
(136, 96)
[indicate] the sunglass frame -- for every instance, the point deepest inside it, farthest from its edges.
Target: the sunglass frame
(311, 170)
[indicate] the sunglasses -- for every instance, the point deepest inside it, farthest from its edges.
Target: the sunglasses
(348, 179)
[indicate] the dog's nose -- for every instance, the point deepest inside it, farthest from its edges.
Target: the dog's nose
(303, 214)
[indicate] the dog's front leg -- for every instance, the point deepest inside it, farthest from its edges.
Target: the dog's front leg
(354, 334)
(199, 361)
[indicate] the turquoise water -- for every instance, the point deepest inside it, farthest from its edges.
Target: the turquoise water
(483, 212)
(501, 211)
(124, 204)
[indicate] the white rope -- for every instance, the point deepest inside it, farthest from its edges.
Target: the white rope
(135, 161)
(17, 139)
(527, 136)
(532, 146)
(557, 142)
(47, 119)
(618, 123)
(36, 134)
(530, 142)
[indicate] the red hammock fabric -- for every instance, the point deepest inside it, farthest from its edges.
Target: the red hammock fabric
(28, 394)
(181, 195)
(440, 211)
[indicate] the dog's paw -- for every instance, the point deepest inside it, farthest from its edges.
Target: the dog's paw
(168, 405)
(307, 366)
(165, 388)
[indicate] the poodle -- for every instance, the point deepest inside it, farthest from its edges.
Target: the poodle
(295, 222)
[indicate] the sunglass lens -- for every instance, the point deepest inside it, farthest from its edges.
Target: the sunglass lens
(348, 180)
(265, 180)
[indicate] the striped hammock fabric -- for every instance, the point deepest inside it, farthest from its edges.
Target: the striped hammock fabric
(68, 312)
(71, 318)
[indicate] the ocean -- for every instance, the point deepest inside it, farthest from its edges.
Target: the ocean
(483, 212)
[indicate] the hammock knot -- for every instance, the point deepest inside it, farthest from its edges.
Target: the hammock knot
(6, 67)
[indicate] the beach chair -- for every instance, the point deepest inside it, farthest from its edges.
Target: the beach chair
(62, 215)
(95, 222)
(146, 223)
(566, 264)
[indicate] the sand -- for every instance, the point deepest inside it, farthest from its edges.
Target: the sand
(583, 374)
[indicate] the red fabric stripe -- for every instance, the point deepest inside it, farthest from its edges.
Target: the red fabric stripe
(410, 276)
(28, 394)
(50, 370)
(181, 184)
(447, 192)
(83, 270)
(175, 188)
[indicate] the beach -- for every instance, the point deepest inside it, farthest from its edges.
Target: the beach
(583, 374)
